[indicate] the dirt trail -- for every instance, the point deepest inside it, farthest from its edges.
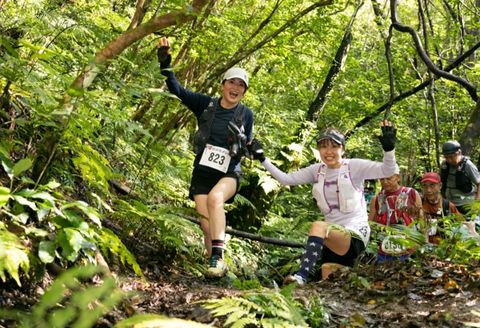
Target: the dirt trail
(396, 295)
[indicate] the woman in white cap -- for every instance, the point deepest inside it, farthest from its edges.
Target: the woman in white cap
(224, 128)
(338, 190)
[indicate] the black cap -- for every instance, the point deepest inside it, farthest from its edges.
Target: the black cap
(450, 147)
(332, 134)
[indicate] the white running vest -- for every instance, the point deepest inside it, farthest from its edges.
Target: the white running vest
(349, 197)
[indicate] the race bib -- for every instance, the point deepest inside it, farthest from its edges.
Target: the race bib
(391, 245)
(215, 157)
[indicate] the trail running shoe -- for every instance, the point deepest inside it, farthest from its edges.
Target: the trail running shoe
(217, 268)
(297, 279)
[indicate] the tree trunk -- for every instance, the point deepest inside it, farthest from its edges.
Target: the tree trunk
(471, 133)
(140, 11)
(430, 94)
(317, 106)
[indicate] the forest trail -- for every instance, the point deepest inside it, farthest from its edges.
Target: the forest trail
(394, 295)
(434, 294)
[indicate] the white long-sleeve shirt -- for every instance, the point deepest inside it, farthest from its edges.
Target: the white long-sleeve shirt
(360, 170)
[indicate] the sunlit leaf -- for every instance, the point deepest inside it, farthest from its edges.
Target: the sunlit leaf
(154, 320)
(21, 166)
(46, 251)
(23, 201)
(13, 256)
(8, 169)
(4, 196)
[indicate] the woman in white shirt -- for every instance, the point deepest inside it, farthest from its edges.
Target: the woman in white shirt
(338, 190)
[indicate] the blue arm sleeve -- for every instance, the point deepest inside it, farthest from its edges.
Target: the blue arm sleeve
(195, 101)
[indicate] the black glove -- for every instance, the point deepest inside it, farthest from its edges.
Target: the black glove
(388, 138)
(164, 57)
(256, 150)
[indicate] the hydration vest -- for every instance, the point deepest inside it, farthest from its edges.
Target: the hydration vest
(387, 215)
(205, 124)
(443, 211)
(349, 197)
(462, 182)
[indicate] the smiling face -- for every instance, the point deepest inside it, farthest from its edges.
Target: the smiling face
(391, 184)
(233, 91)
(431, 191)
(331, 153)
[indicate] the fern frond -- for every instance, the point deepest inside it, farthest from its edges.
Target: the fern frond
(274, 309)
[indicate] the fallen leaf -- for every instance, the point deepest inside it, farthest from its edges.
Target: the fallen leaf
(357, 320)
(380, 284)
(451, 284)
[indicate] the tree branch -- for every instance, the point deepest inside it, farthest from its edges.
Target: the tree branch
(316, 107)
(242, 55)
(140, 11)
(413, 91)
(251, 236)
(426, 59)
(391, 77)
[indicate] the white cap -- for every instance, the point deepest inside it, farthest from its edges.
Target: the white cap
(236, 72)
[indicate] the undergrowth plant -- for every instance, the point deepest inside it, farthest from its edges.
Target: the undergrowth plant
(162, 227)
(78, 298)
(40, 224)
(458, 244)
(73, 300)
(268, 308)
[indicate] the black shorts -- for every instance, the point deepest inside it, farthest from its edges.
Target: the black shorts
(356, 248)
(202, 182)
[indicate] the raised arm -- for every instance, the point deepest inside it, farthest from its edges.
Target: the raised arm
(302, 176)
(195, 101)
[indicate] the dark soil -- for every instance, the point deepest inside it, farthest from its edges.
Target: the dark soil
(395, 295)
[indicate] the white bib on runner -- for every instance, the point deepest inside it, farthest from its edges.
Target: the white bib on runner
(391, 245)
(216, 157)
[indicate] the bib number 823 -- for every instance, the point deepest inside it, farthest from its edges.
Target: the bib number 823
(215, 157)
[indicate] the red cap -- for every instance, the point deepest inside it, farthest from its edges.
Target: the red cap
(431, 177)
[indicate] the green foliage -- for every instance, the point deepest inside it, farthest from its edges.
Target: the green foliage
(93, 167)
(242, 258)
(54, 227)
(155, 320)
(315, 313)
(457, 244)
(163, 227)
(247, 284)
(13, 255)
(110, 243)
(408, 237)
(78, 298)
(125, 126)
(265, 308)
(73, 300)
